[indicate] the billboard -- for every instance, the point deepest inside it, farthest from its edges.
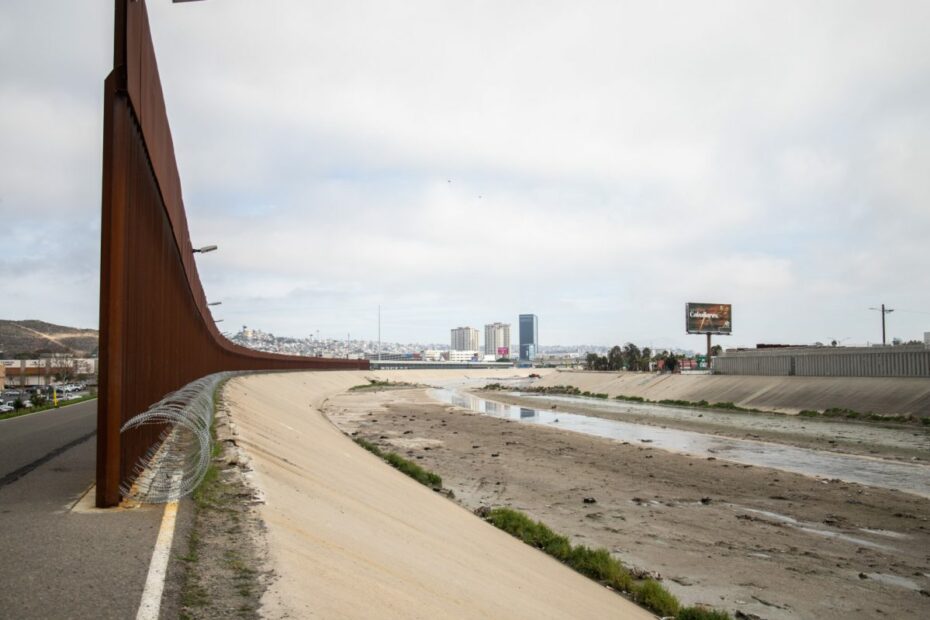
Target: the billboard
(503, 351)
(709, 318)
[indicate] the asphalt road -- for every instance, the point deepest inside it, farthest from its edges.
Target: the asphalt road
(58, 560)
(26, 440)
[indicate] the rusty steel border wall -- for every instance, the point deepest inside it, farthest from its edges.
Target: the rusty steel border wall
(156, 331)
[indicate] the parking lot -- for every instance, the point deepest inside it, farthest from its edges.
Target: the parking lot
(41, 395)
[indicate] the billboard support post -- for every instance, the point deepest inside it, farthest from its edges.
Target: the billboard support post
(708, 350)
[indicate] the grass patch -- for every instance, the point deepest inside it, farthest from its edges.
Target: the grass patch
(374, 384)
(46, 407)
(852, 414)
(421, 475)
(701, 613)
(652, 595)
(220, 572)
(597, 564)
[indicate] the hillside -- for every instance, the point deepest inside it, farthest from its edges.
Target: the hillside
(35, 338)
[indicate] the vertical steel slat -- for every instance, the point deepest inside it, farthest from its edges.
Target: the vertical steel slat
(156, 331)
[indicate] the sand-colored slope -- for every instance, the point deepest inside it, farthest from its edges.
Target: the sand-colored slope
(350, 537)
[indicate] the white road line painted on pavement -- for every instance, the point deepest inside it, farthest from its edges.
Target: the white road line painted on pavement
(150, 606)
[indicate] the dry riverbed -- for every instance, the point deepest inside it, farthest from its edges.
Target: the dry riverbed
(766, 543)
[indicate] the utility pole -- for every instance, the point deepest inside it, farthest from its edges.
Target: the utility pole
(379, 332)
(708, 350)
(884, 311)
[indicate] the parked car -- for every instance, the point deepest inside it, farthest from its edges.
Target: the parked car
(6, 408)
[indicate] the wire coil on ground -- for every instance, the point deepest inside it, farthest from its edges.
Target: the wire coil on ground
(175, 465)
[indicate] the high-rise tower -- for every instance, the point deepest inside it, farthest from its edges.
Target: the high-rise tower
(529, 337)
(464, 339)
(497, 339)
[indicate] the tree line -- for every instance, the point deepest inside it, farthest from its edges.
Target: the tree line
(630, 357)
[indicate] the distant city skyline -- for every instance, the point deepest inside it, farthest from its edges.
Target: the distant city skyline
(600, 168)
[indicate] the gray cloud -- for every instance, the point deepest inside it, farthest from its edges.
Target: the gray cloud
(596, 163)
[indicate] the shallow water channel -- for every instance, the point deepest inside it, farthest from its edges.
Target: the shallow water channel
(908, 477)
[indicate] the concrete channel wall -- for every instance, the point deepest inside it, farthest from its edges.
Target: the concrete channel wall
(891, 395)
(827, 362)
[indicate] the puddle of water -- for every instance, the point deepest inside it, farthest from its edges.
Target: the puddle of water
(836, 429)
(812, 528)
(894, 580)
(885, 533)
(911, 478)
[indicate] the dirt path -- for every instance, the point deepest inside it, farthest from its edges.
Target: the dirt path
(760, 541)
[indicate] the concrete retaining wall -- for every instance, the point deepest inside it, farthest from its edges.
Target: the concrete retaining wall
(827, 362)
(895, 395)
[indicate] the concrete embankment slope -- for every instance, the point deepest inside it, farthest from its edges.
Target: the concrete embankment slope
(788, 394)
(350, 537)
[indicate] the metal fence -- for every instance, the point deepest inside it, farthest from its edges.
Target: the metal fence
(156, 331)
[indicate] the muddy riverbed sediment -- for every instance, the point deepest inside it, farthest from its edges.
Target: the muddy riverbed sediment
(762, 541)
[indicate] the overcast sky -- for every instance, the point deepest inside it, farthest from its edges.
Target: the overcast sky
(598, 164)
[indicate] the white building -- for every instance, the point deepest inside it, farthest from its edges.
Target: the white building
(497, 339)
(464, 339)
(463, 356)
(432, 355)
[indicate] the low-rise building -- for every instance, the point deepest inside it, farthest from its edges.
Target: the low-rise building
(47, 371)
(463, 356)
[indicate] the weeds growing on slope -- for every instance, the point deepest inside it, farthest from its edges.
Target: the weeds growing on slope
(421, 475)
(597, 564)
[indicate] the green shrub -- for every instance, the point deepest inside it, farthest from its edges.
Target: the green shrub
(401, 464)
(369, 446)
(808, 413)
(700, 613)
(598, 564)
(652, 595)
(413, 470)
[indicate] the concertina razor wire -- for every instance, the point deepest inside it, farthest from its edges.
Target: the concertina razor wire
(175, 464)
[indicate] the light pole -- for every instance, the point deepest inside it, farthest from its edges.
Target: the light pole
(205, 249)
(884, 311)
